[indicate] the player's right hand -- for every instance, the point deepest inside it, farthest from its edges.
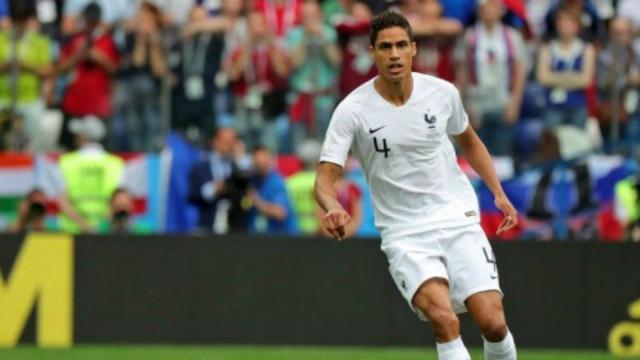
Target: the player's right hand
(335, 222)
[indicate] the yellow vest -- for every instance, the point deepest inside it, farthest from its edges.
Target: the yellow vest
(300, 187)
(90, 181)
(628, 196)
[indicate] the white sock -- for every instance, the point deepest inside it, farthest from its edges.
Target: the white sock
(503, 350)
(453, 350)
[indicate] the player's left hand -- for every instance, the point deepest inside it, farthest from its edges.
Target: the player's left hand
(510, 214)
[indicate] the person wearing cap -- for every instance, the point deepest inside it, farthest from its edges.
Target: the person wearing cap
(90, 176)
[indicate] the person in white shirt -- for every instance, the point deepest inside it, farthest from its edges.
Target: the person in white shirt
(398, 126)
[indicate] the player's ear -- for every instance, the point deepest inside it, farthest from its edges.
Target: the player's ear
(414, 49)
(371, 50)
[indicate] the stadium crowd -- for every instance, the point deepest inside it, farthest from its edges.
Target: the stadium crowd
(254, 83)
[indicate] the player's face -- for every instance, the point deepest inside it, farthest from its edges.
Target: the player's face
(393, 53)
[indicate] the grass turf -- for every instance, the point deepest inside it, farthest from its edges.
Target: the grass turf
(268, 353)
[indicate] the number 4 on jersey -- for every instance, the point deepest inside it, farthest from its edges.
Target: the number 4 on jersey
(384, 148)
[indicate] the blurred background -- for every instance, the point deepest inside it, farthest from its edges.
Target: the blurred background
(146, 120)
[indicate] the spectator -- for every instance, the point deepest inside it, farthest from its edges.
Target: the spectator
(616, 64)
(271, 212)
(591, 27)
(300, 187)
(91, 57)
(434, 36)
(120, 211)
(142, 70)
(32, 213)
(492, 65)
(315, 58)
(356, 66)
(193, 94)
(566, 68)
(218, 185)
(90, 176)
(258, 70)
(22, 72)
(280, 15)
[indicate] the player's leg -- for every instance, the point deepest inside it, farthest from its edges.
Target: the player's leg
(487, 311)
(432, 300)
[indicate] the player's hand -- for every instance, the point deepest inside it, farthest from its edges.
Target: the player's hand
(335, 222)
(510, 214)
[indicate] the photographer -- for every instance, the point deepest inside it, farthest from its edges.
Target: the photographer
(31, 213)
(120, 211)
(271, 211)
(218, 186)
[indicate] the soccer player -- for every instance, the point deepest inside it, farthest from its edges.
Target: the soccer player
(398, 126)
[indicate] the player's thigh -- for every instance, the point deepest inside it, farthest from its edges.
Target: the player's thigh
(413, 261)
(432, 299)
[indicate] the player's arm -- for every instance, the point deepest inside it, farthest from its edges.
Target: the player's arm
(478, 157)
(336, 218)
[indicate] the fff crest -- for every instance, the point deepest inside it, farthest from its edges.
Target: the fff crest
(430, 119)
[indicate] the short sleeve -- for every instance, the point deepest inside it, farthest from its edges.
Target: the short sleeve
(459, 121)
(339, 137)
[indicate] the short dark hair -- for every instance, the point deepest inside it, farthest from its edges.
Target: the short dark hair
(92, 13)
(388, 19)
(21, 10)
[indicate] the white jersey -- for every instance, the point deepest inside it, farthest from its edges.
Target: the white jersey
(410, 164)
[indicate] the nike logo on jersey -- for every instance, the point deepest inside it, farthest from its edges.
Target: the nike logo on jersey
(371, 131)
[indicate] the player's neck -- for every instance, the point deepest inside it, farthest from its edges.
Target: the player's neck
(397, 93)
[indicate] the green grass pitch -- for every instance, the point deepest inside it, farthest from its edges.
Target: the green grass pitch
(269, 353)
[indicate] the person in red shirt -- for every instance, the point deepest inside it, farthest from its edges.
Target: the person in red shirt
(353, 35)
(91, 59)
(281, 15)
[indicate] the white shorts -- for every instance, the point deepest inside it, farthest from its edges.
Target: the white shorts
(460, 255)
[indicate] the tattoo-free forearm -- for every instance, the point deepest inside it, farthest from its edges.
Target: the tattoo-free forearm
(324, 190)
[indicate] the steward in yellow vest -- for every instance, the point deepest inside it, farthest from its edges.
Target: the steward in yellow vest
(91, 175)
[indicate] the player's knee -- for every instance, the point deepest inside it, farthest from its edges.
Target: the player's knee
(444, 321)
(494, 330)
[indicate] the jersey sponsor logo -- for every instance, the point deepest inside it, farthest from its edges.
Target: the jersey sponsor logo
(371, 131)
